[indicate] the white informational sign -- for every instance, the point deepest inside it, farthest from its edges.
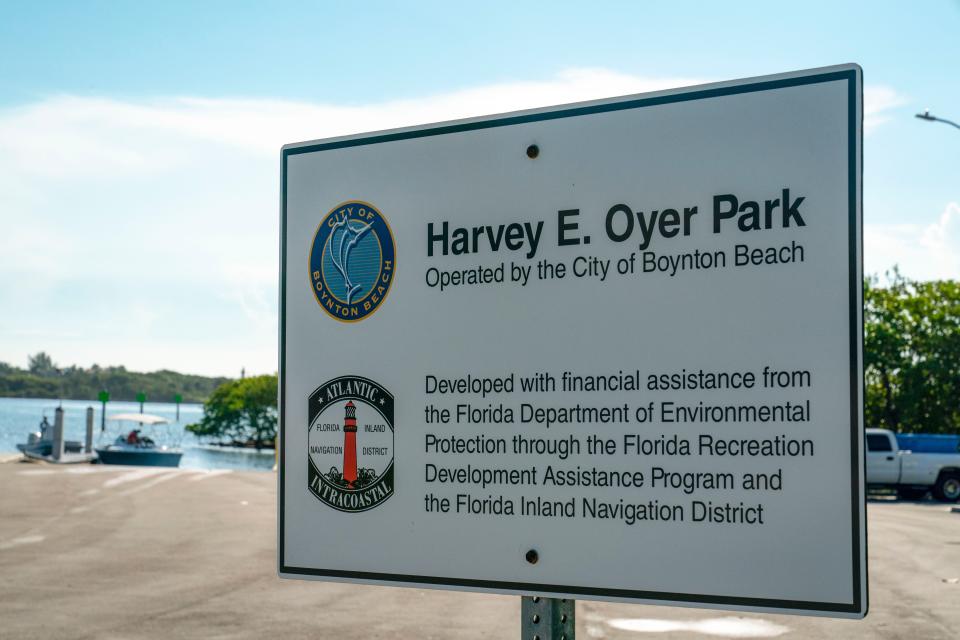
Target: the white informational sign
(609, 350)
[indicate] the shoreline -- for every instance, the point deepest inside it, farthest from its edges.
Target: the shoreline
(235, 449)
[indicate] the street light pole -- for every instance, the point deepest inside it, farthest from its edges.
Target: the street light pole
(926, 115)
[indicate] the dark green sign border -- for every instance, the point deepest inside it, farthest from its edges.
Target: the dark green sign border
(859, 605)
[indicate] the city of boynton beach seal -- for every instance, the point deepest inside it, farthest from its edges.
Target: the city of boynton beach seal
(350, 440)
(352, 261)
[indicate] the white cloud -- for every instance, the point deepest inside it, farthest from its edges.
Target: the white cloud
(77, 137)
(921, 251)
(159, 216)
(878, 101)
(146, 226)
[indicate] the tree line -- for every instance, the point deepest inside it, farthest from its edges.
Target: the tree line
(241, 413)
(44, 379)
(911, 351)
(911, 372)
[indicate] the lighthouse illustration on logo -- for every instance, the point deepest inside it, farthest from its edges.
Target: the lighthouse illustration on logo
(340, 473)
(350, 445)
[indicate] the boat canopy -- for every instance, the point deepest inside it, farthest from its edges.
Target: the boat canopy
(144, 418)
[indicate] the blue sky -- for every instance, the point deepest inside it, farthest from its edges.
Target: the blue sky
(139, 142)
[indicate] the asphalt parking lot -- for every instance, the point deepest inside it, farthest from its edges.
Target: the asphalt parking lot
(115, 552)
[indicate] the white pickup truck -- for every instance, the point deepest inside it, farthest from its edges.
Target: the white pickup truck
(911, 474)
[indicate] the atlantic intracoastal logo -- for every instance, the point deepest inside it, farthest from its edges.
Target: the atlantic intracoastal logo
(352, 261)
(350, 440)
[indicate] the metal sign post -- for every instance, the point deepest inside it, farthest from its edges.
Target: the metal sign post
(547, 618)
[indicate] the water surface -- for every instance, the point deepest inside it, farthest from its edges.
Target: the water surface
(20, 416)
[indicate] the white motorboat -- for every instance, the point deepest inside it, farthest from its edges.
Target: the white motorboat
(134, 447)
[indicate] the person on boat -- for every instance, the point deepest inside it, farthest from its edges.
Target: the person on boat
(44, 425)
(133, 437)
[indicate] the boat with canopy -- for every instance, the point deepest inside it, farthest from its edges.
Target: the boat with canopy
(157, 447)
